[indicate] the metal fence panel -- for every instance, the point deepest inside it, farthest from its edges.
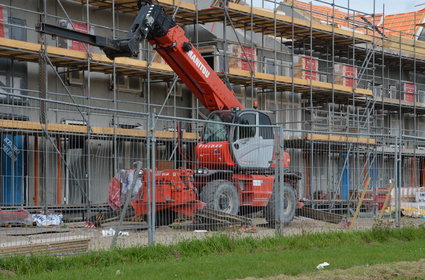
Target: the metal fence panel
(70, 182)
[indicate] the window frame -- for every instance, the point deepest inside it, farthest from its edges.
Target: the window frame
(281, 67)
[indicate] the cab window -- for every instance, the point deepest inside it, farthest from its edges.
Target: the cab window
(215, 131)
(265, 132)
(247, 131)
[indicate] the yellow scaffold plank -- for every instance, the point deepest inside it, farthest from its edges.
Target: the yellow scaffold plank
(185, 10)
(178, 3)
(340, 138)
(62, 57)
(29, 126)
(77, 59)
(263, 22)
(300, 84)
(407, 46)
(261, 18)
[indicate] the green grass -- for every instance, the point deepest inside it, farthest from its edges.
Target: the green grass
(221, 257)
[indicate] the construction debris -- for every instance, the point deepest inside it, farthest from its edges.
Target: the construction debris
(33, 231)
(111, 232)
(412, 202)
(15, 218)
(56, 246)
(212, 219)
(320, 215)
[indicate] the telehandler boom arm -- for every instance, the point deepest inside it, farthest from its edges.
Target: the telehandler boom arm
(169, 40)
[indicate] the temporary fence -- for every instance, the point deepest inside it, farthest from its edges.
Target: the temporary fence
(71, 187)
(89, 161)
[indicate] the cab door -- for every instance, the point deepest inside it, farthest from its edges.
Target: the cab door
(265, 140)
(252, 145)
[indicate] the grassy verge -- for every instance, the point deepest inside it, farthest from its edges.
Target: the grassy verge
(221, 257)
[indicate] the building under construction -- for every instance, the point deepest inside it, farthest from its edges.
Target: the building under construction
(347, 86)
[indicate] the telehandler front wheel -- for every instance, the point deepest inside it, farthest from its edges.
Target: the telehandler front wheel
(221, 195)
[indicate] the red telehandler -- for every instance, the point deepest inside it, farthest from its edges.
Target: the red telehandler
(236, 156)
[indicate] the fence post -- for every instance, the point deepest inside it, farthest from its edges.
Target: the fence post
(151, 229)
(398, 180)
(153, 184)
(279, 198)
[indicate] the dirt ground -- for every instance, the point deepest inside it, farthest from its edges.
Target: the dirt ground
(300, 225)
(396, 270)
(166, 235)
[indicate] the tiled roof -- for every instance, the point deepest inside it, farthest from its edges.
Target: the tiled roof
(406, 23)
(321, 13)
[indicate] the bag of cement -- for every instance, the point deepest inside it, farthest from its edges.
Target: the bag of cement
(47, 220)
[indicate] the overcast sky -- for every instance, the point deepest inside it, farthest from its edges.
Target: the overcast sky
(391, 6)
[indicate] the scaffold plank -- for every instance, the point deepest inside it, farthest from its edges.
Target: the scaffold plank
(243, 15)
(141, 133)
(284, 83)
(263, 22)
(27, 51)
(100, 63)
(339, 138)
(61, 57)
(185, 11)
(29, 126)
(393, 104)
(331, 142)
(408, 46)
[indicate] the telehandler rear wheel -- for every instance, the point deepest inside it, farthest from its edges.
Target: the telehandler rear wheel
(289, 205)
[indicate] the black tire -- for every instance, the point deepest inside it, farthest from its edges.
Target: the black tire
(221, 195)
(164, 218)
(289, 205)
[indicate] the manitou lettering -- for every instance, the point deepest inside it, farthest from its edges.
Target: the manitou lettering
(199, 64)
